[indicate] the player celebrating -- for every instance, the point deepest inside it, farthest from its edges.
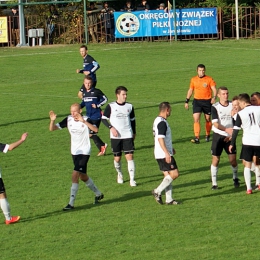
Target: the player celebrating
(202, 86)
(163, 152)
(119, 117)
(80, 149)
(3, 199)
(90, 65)
(93, 99)
(222, 121)
(248, 119)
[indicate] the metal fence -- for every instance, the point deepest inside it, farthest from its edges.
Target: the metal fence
(71, 30)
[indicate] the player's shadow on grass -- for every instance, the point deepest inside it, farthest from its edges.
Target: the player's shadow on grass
(123, 198)
(60, 117)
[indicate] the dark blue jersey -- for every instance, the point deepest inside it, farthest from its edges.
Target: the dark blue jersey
(89, 64)
(93, 96)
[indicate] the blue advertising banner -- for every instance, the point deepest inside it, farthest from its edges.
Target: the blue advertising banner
(161, 23)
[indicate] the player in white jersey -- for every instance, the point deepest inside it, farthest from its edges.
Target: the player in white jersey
(3, 198)
(249, 120)
(119, 117)
(255, 167)
(222, 121)
(80, 150)
(163, 153)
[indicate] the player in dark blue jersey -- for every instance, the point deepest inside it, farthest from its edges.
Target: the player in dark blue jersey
(93, 99)
(90, 65)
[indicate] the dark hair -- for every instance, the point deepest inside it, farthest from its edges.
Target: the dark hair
(244, 97)
(119, 89)
(256, 94)
(222, 88)
(201, 66)
(164, 105)
(84, 46)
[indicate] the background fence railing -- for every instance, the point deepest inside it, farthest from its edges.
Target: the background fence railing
(71, 29)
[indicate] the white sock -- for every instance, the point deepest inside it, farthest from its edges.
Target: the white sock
(131, 169)
(247, 176)
(90, 184)
(118, 167)
(5, 208)
(165, 183)
(252, 167)
(168, 193)
(214, 173)
(234, 170)
(73, 193)
(257, 175)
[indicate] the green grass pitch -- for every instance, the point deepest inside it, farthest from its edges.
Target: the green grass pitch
(128, 223)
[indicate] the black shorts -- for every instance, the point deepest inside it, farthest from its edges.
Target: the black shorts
(167, 167)
(125, 145)
(218, 144)
(95, 123)
(248, 151)
(80, 162)
(2, 186)
(202, 105)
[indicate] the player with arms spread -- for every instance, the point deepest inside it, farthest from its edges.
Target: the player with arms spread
(202, 86)
(80, 149)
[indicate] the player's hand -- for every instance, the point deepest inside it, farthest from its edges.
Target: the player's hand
(168, 158)
(227, 139)
(78, 117)
(229, 131)
(94, 105)
(114, 132)
(52, 115)
(77, 71)
(24, 136)
(186, 105)
(230, 148)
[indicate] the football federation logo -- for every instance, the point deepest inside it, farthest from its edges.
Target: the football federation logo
(127, 24)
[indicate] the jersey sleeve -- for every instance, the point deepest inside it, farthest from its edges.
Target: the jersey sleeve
(107, 112)
(132, 120)
(162, 128)
(63, 123)
(4, 148)
(102, 98)
(214, 114)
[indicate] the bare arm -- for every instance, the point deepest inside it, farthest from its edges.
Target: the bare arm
(214, 90)
(80, 95)
(167, 155)
(19, 142)
(52, 126)
(188, 96)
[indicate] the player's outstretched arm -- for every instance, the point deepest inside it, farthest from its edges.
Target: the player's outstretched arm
(19, 142)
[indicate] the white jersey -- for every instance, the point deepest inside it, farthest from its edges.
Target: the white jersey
(249, 119)
(161, 129)
(79, 132)
(222, 115)
(120, 117)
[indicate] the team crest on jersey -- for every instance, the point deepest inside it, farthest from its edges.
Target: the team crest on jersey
(205, 85)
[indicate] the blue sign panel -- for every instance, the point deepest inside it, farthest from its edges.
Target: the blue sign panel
(161, 23)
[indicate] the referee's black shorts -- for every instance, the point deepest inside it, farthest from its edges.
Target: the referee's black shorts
(202, 106)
